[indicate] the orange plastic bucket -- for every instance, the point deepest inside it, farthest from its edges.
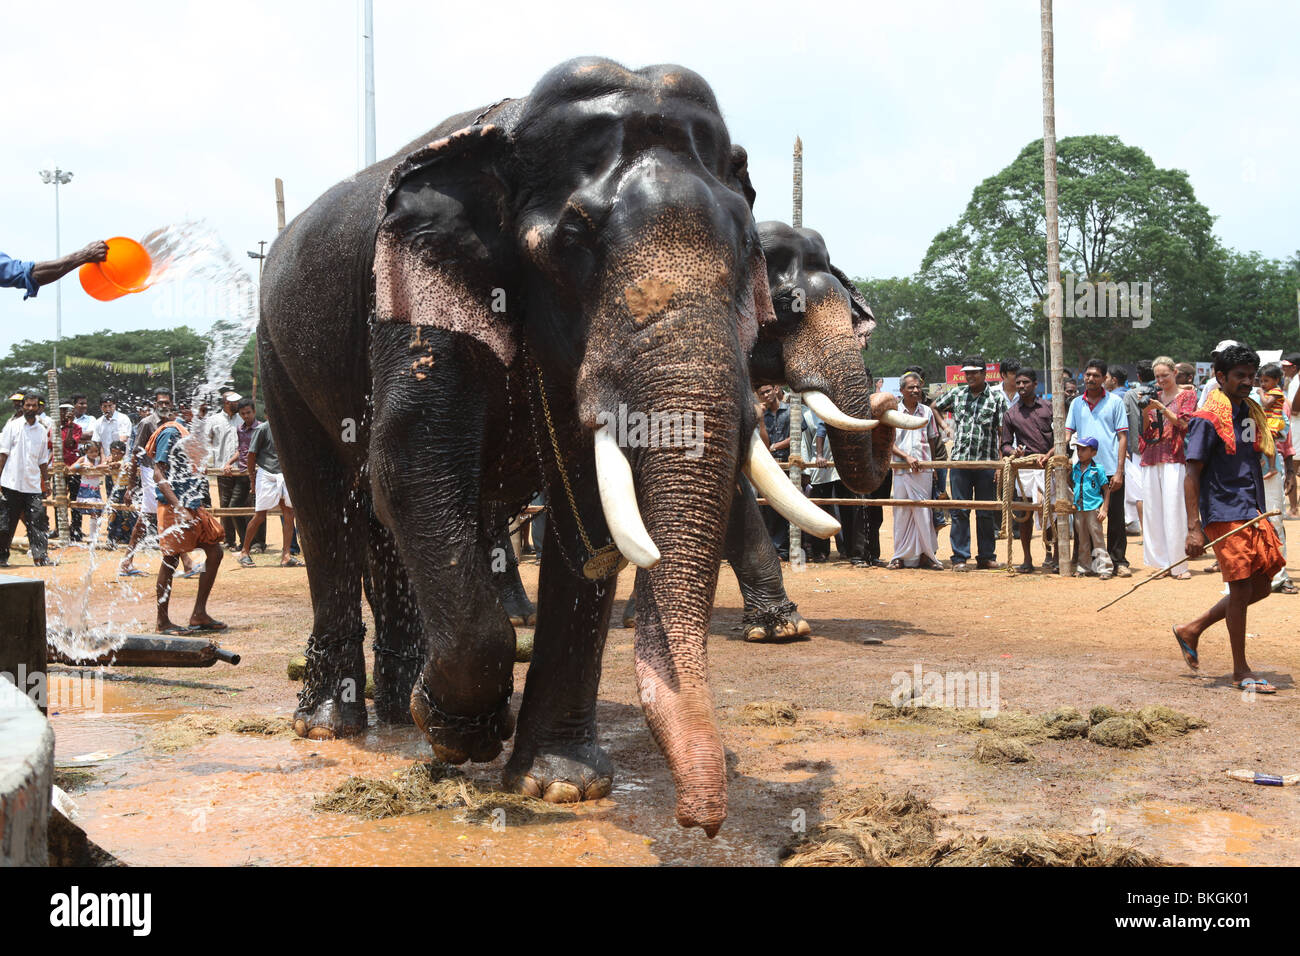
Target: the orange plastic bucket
(126, 270)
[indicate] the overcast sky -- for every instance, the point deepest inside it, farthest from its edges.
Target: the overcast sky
(168, 111)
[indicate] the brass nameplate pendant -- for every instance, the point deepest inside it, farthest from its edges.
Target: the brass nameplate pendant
(608, 560)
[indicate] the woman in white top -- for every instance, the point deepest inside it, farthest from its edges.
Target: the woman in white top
(915, 537)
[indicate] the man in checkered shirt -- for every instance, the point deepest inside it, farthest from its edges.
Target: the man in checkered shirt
(977, 412)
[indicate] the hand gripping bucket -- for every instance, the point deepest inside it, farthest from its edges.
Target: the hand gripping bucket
(126, 270)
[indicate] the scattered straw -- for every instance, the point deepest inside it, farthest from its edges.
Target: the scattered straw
(770, 713)
(876, 828)
(425, 787)
(188, 729)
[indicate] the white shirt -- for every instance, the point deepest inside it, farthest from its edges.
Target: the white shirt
(1291, 388)
(222, 438)
(87, 425)
(28, 447)
(108, 430)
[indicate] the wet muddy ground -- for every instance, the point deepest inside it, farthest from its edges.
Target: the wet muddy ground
(244, 799)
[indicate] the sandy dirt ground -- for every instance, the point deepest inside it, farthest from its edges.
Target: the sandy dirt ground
(235, 799)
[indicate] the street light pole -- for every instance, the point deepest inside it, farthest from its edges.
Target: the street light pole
(57, 177)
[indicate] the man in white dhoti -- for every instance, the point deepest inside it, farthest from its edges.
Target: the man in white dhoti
(915, 537)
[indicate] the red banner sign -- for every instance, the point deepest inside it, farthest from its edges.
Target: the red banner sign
(953, 375)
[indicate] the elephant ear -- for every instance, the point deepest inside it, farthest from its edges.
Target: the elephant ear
(864, 320)
(442, 251)
(756, 308)
(740, 170)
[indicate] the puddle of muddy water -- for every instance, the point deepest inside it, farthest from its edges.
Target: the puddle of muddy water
(1210, 837)
(236, 800)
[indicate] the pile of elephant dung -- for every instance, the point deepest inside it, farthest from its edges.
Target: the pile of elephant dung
(73, 778)
(993, 749)
(770, 713)
(882, 829)
(425, 787)
(953, 717)
(1128, 729)
(188, 729)
(1104, 725)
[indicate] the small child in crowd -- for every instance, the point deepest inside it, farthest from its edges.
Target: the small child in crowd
(91, 467)
(1091, 496)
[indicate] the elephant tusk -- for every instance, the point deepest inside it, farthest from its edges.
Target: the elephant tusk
(618, 501)
(820, 404)
(767, 477)
(901, 419)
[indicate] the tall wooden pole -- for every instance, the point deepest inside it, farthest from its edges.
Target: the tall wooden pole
(796, 400)
(59, 485)
(1064, 549)
(796, 219)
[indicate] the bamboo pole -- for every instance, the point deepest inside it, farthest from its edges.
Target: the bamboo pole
(1064, 550)
(60, 485)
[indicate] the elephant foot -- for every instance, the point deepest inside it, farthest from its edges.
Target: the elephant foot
(455, 738)
(395, 674)
(332, 701)
(522, 612)
(561, 774)
(330, 719)
(780, 622)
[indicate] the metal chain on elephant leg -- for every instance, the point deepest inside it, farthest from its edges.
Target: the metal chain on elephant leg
(457, 723)
(769, 618)
(327, 656)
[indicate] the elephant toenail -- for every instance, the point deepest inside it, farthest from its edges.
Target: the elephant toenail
(598, 789)
(529, 787)
(300, 727)
(320, 733)
(561, 791)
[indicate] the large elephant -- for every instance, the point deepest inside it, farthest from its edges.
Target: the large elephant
(451, 330)
(815, 346)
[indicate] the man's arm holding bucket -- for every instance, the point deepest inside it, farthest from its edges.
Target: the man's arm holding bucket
(44, 273)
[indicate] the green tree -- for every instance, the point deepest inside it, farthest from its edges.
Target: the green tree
(1122, 219)
(27, 362)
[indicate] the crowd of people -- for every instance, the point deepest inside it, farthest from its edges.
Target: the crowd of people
(159, 462)
(1128, 441)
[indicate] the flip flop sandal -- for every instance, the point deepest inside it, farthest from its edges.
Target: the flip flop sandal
(134, 572)
(210, 626)
(895, 565)
(245, 562)
(292, 563)
(1024, 569)
(1189, 655)
(1256, 685)
(194, 572)
(177, 631)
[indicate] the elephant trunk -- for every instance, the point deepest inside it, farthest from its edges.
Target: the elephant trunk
(681, 431)
(686, 516)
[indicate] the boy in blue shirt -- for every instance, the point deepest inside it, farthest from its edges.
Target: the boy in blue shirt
(1091, 499)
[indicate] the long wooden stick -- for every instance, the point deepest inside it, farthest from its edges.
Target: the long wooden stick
(1208, 546)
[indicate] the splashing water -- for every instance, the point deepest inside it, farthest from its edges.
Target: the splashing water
(192, 266)
(192, 259)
